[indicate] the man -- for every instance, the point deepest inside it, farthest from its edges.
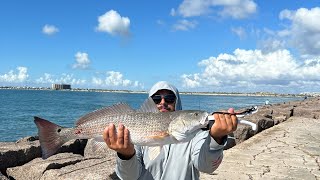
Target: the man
(176, 161)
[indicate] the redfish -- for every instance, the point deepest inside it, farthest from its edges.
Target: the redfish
(147, 125)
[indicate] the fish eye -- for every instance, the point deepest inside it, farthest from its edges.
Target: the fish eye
(59, 130)
(196, 114)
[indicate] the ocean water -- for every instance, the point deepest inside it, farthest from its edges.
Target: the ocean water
(18, 107)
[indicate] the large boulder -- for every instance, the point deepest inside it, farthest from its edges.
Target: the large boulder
(37, 167)
(18, 153)
(270, 115)
(65, 166)
(14, 154)
(100, 168)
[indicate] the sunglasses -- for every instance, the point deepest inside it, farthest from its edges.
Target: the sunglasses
(169, 98)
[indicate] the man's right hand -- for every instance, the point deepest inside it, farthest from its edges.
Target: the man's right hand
(119, 140)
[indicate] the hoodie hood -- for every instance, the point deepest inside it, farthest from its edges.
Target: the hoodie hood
(165, 85)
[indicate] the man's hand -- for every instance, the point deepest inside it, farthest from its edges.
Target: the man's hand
(119, 140)
(224, 124)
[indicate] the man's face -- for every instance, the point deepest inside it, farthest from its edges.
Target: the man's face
(165, 100)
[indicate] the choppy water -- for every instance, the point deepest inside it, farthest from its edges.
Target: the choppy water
(18, 107)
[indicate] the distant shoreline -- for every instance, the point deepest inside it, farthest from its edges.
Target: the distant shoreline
(267, 94)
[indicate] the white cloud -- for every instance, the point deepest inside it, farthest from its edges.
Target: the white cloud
(303, 31)
(184, 25)
(49, 29)
(62, 79)
(271, 44)
(111, 79)
(189, 8)
(245, 69)
(46, 79)
(237, 9)
(15, 77)
(82, 61)
(112, 23)
(240, 32)
(191, 81)
(97, 81)
(115, 79)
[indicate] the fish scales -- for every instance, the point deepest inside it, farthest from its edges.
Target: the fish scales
(147, 126)
(138, 123)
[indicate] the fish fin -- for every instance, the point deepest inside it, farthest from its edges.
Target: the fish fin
(49, 138)
(154, 152)
(149, 106)
(98, 144)
(120, 108)
(182, 137)
(179, 136)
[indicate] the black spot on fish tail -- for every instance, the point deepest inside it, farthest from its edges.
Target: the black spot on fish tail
(49, 137)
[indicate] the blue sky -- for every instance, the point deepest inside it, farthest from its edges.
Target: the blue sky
(197, 45)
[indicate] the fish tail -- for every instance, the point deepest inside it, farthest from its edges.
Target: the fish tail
(49, 137)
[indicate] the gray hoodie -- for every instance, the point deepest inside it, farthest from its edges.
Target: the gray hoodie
(175, 161)
(164, 85)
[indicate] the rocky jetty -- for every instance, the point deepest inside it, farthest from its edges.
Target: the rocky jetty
(77, 160)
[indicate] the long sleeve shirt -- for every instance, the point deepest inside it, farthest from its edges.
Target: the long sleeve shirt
(175, 161)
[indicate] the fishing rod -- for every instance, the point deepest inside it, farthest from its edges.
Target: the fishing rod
(242, 114)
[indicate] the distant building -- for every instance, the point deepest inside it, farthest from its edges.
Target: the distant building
(61, 86)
